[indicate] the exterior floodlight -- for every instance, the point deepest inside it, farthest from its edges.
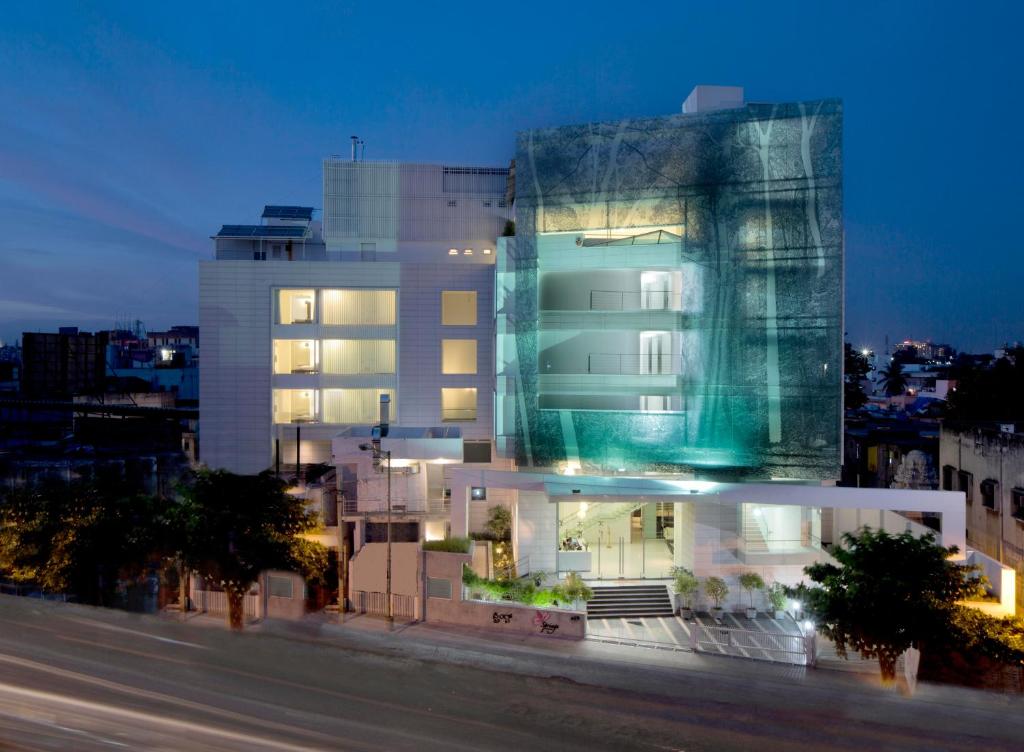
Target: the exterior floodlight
(366, 447)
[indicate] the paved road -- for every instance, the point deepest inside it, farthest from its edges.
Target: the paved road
(85, 679)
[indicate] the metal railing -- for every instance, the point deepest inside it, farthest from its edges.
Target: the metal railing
(374, 603)
(215, 602)
(779, 647)
(637, 300)
(629, 364)
(468, 413)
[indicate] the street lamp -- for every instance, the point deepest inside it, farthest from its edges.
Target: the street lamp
(377, 454)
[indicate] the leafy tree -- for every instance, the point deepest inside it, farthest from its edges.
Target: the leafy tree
(685, 584)
(989, 393)
(232, 527)
(79, 538)
(716, 589)
(855, 369)
(499, 522)
(886, 594)
(894, 379)
(751, 581)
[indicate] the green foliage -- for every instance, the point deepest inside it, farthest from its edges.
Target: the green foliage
(79, 538)
(231, 527)
(573, 589)
(977, 633)
(526, 590)
(499, 522)
(716, 589)
(894, 379)
(449, 545)
(776, 593)
(995, 393)
(751, 581)
(885, 594)
(855, 369)
(509, 230)
(685, 584)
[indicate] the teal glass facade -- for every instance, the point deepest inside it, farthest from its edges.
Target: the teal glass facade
(672, 299)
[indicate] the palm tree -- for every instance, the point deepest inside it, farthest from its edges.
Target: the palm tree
(893, 379)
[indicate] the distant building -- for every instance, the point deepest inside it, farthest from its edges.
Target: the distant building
(985, 461)
(63, 364)
(924, 350)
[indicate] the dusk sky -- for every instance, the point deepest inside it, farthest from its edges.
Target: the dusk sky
(128, 135)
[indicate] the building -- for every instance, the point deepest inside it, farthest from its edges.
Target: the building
(61, 364)
(985, 462)
(645, 367)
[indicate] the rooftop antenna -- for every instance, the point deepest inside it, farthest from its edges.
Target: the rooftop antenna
(355, 143)
(362, 150)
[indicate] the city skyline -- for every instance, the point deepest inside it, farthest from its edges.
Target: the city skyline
(167, 130)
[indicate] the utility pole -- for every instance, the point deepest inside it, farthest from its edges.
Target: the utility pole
(391, 610)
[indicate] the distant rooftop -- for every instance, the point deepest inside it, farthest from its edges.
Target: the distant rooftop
(288, 212)
(261, 231)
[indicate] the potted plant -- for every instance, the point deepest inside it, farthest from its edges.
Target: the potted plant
(777, 599)
(686, 587)
(716, 590)
(575, 591)
(751, 581)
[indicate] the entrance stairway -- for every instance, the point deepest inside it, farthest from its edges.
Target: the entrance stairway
(755, 542)
(628, 601)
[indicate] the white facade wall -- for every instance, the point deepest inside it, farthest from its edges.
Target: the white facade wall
(236, 379)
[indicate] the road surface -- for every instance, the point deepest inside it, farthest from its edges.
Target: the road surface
(77, 678)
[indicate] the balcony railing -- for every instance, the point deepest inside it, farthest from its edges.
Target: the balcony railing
(652, 364)
(639, 300)
(454, 414)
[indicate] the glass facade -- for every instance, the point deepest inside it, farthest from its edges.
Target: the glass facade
(672, 299)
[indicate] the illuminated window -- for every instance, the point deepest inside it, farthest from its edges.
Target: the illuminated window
(295, 405)
(295, 356)
(351, 356)
(458, 308)
(296, 306)
(356, 405)
(458, 356)
(358, 307)
(458, 404)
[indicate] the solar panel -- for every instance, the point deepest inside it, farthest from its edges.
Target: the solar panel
(288, 212)
(261, 231)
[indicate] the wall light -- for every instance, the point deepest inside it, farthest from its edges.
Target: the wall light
(468, 252)
(487, 251)
(453, 251)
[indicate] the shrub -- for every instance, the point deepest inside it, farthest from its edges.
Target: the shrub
(448, 545)
(499, 523)
(716, 590)
(686, 585)
(776, 593)
(751, 581)
(573, 589)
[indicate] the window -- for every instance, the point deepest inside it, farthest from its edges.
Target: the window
(437, 588)
(279, 587)
(296, 306)
(478, 493)
(1017, 503)
(295, 405)
(458, 404)
(356, 405)
(947, 477)
(487, 204)
(476, 451)
(358, 356)
(295, 356)
(458, 356)
(359, 307)
(988, 493)
(259, 255)
(458, 308)
(965, 483)
(452, 203)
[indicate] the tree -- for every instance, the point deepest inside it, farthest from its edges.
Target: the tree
(886, 593)
(855, 369)
(499, 522)
(232, 527)
(751, 581)
(893, 379)
(716, 589)
(79, 538)
(994, 392)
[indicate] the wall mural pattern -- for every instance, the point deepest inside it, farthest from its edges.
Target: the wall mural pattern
(672, 299)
